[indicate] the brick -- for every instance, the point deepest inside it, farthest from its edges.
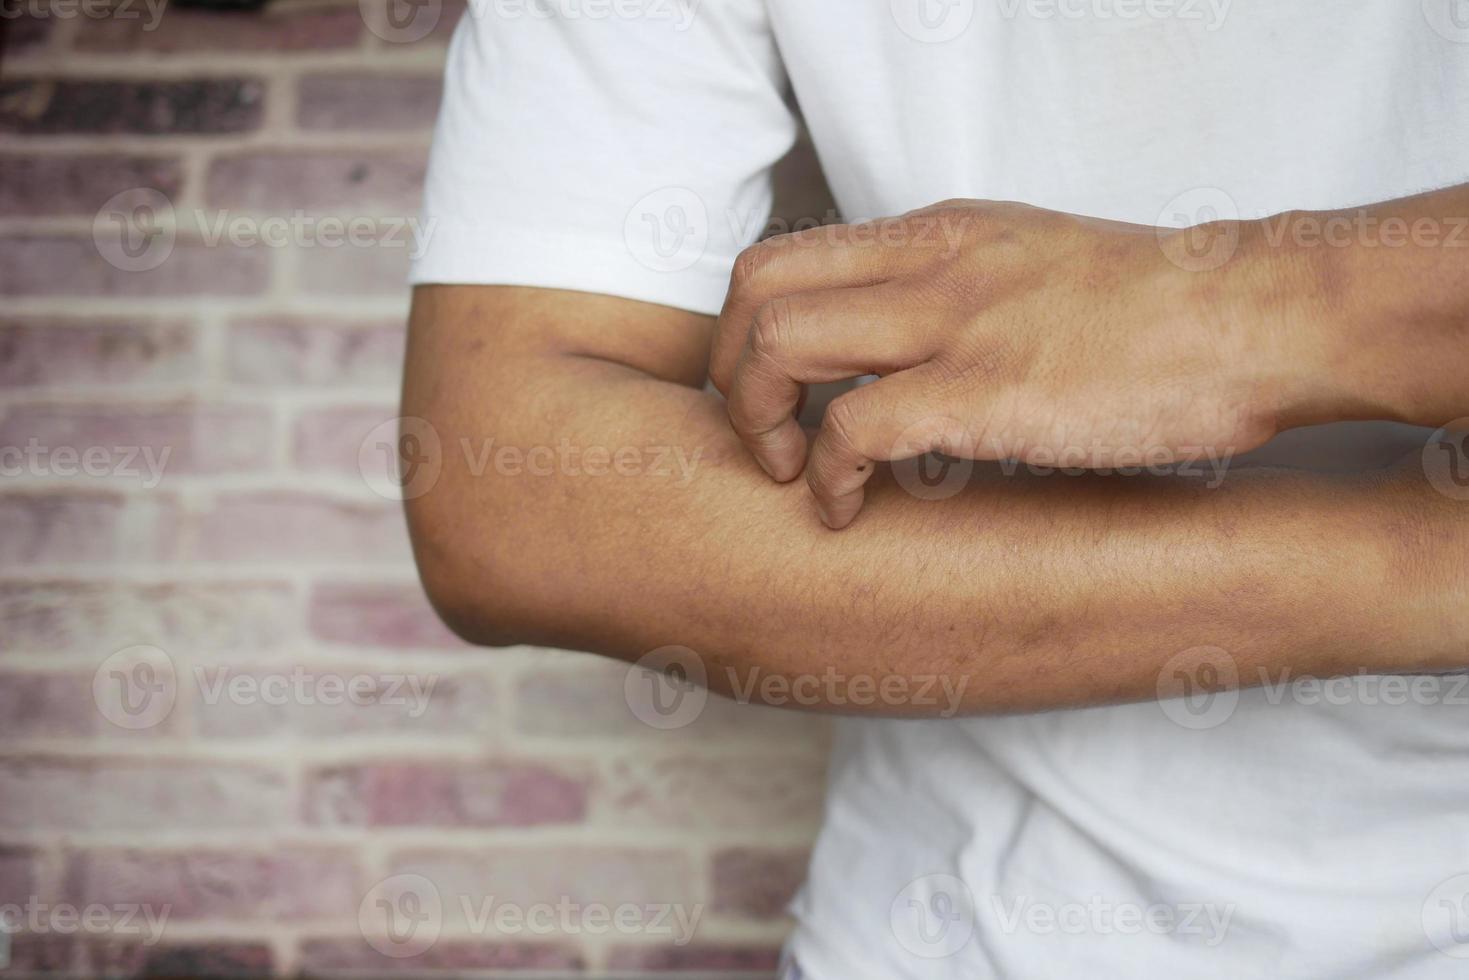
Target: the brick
(144, 797)
(20, 875)
(420, 794)
(296, 351)
(746, 792)
(66, 351)
(57, 184)
(668, 958)
(200, 106)
(441, 705)
(359, 101)
(318, 180)
(139, 445)
(25, 33)
(221, 959)
(195, 617)
(379, 270)
(330, 439)
(354, 957)
(44, 954)
(279, 27)
(757, 883)
(581, 875)
(233, 885)
(300, 527)
(60, 265)
(373, 615)
(47, 705)
(59, 527)
(586, 698)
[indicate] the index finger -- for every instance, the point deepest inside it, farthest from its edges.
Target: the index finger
(817, 258)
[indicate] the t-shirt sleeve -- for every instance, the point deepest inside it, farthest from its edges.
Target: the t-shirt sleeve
(627, 153)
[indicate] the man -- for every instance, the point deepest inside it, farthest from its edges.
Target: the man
(593, 181)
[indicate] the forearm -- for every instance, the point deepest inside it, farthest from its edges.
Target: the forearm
(1022, 592)
(1372, 305)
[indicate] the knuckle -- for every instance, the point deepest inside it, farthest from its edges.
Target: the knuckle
(839, 427)
(751, 265)
(772, 329)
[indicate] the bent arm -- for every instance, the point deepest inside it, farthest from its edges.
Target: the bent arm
(1029, 592)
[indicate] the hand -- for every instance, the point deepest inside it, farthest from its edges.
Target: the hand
(1000, 331)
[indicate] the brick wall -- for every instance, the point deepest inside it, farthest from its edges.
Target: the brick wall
(211, 634)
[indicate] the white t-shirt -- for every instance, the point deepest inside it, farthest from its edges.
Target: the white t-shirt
(1291, 831)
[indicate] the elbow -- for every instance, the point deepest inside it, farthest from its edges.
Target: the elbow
(470, 591)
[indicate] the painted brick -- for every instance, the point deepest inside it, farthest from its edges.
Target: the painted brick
(290, 883)
(318, 180)
(202, 106)
(137, 445)
(440, 705)
(37, 184)
(179, 617)
(354, 957)
(47, 705)
(379, 270)
(296, 526)
(696, 958)
(216, 959)
(738, 792)
(581, 875)
(58, 265)
(417, 793)
(60, 526)
(20, 874)
(26, 34)
(296, 351)
(370, 615)
(153, 798)
(757, 883)
(60, 351)
(330, 439)
(348, 101)
(279, 27)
